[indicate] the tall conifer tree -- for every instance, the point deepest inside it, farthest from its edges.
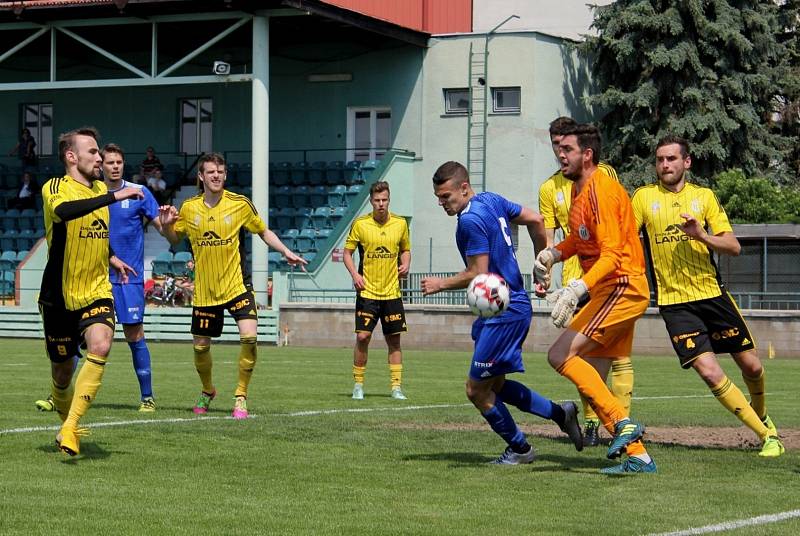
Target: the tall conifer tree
(707, 70)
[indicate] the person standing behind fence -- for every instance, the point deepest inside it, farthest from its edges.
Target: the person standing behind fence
(382, 239)
(215, 222)
(701, 317)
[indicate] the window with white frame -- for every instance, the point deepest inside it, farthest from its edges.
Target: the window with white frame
(369, 132)
(38, 119)
(456, 101)
(506, 100)
(196, 125)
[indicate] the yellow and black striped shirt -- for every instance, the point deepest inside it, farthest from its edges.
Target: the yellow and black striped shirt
(684, 268)
(555, 198)
(379, 247)
(216, 234)
(76, 274)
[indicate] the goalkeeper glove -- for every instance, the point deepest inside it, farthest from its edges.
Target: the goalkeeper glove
(565, 301)
(544, 262)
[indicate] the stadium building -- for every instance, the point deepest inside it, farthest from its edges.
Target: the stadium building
(309, 100)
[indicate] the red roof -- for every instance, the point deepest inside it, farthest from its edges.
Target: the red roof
(37, 3)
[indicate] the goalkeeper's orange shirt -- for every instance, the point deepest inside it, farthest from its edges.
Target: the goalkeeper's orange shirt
(603, 232)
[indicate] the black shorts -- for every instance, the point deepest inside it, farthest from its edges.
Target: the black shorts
(712, 325)
(208, 321)
(63, 329)
(390, 312)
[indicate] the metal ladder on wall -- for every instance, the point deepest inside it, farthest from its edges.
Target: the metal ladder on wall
(478, 117)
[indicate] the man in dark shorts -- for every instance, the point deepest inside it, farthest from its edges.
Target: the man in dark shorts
(701, 317)
(382, 240)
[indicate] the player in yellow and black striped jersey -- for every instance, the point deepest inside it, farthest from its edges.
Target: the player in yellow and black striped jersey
(215, 222)
(684, 225)
(75, 299)
(384, 251)
(555, 200)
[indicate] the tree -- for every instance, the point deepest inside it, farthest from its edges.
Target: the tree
(756, 199)
(706, 70)
(787, 120)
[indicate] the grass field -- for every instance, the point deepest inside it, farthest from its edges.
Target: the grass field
(313, 461)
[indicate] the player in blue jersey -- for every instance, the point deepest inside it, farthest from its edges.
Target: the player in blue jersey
(483, 237)
(126, 235)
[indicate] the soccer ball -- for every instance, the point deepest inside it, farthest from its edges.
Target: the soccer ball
(488, 295)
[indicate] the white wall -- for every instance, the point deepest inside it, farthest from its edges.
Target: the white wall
(564, 18)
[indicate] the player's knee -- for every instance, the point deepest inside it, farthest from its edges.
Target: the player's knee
(363, 337)
(555, 358)
(100, 347)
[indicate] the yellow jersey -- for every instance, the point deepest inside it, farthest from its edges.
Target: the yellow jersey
(684, 268)
(555, 197)
(216, 235)
(76, 273)
(379, 246)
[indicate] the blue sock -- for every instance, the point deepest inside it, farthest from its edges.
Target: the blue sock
(530, 401)
(141, 364)
(503, 425)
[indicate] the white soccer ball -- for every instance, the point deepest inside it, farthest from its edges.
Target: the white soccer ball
(488, 295)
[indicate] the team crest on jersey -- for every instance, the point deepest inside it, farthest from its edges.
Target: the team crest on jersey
(655, 207)
(125, 203)
(197, 219)
(560, 197)
(695, 205)
(227, 220)
(583, 232)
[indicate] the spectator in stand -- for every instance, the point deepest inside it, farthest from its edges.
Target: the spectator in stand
(26, 195)
(25, 150)
(137, 179)
(150, 164)
(186, 283)
(158, 186)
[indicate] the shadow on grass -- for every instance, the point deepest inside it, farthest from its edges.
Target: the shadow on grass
(89, 451)
(554, 463)
(187, 409)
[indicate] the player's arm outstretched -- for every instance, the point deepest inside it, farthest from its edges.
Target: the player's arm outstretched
(70, 210)
(476, 264)
(272, 240)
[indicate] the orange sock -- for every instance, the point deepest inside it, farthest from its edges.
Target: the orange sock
(592, 386)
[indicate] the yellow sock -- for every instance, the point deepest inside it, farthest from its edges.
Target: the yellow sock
(86, 386)
(622, 381)
(358, 374)
(396, 375)
(202, 362)
(734, 401)
(757, 391)
(588, 410)
(247, 360)
(62, 399)
(592, 386)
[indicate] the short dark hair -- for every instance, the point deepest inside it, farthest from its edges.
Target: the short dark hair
(671, 139)
(217, 158)
(67, 140)
(588, 137)
(559, 126)
(450, 170)
(111, 148)
(378, 187)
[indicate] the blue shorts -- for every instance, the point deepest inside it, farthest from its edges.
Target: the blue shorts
(498, 348)
(129, 302)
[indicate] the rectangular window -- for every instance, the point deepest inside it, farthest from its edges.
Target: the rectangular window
(456, 101)
(506, 100)
(38, 119)
(196, 125)
(369, 133)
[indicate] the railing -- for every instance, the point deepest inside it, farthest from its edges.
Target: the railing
(773, 301)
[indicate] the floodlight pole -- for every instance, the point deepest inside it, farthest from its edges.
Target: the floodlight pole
(260, 147)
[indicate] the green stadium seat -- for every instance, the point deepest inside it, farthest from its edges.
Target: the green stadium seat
(316, 173)
(306, 240)
(302, 218)
(299, 173)
(284, 218)
(8, 260)
(162, 264)
(336, 195)
(318, 196)
(334, 174)
(179, 263)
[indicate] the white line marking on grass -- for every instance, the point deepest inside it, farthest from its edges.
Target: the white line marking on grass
(16, 364)
(182, 420)
(731, 525)
(668, 397)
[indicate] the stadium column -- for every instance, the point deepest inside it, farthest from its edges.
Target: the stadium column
(260, 146)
